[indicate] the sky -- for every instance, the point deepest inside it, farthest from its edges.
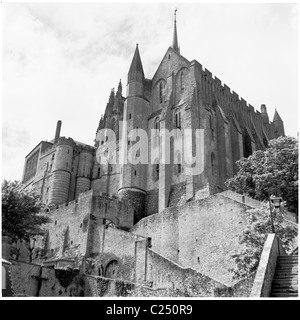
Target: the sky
(60, 61)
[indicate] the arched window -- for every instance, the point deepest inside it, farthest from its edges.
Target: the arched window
(157, 124)
(98, 172)
(212, 163)
(156, 127)
(178, 120)
(137, 154)
(160, 92)
(181, 82)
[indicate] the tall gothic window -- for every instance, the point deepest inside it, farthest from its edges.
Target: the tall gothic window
(178, 120)
(181, 82)
(156, 124)
(160, 92)
(156, 127)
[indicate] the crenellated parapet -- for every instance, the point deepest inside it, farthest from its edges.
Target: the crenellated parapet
(233, 105)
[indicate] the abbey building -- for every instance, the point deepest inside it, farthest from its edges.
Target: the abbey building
(101, 210)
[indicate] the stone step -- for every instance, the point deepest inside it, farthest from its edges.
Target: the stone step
(285, 269)
(278, 285)
(283, 295)
(286, 279)
(286, 273)
(284, 291)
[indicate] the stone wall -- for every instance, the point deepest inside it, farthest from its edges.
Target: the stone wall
(35, 281)
(201, 234)
(68, 228)
(123, 247)
(166, 274)
(267, 265)
(151, 202)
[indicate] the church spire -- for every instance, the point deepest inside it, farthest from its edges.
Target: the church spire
(175, 40)
(136, 71)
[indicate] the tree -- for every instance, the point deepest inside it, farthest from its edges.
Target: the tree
(253, 238)
(272, 171)
(21, 219)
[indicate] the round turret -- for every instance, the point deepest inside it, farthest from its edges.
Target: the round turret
(136, 199)
(85, 165)
(61, 171)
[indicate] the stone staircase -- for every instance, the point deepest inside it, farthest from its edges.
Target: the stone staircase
(285, 281)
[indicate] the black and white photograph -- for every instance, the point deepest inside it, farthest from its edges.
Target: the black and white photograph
(149, 151)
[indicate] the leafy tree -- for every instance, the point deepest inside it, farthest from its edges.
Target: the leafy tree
(272, 171)
(21, 219)
(253, 238)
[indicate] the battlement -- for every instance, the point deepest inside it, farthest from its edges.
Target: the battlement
(222, 87)
(85, 149)
(66, 141)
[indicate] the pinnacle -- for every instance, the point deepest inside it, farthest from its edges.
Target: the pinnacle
(276, 116)
(175, 38)
(136, 64)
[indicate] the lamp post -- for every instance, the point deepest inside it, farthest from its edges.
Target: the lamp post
(276, 202)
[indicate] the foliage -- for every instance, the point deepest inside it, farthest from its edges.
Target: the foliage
(123, 289)
(21, 219)
(272, 171)
(255, 235)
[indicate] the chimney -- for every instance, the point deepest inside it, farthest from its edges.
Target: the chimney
(57, 132)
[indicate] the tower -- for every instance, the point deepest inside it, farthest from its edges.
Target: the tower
(84, 173)
(278, 125)
(264, 114)
(62, 171)
(136, 111)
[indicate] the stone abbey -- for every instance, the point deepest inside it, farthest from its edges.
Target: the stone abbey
(181, 94)
(112, 211)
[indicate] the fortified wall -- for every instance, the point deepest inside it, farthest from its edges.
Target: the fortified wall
(73, 224)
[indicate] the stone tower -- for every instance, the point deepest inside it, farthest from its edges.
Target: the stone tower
(62, 171)
(136, 111)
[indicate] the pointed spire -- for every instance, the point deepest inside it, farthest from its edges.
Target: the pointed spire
(136, 67)
(175, 40)
(276, 117)
(120, 87)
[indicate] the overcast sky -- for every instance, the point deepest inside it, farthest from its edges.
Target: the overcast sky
(60, 61)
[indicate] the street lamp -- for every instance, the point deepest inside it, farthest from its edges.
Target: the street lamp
(276, 202)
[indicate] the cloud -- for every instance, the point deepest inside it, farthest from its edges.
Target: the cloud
(60, 61)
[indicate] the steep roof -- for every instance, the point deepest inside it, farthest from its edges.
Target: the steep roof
(136, 64)
(276, 116)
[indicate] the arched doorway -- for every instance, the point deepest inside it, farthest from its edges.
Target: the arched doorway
(111, 270)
